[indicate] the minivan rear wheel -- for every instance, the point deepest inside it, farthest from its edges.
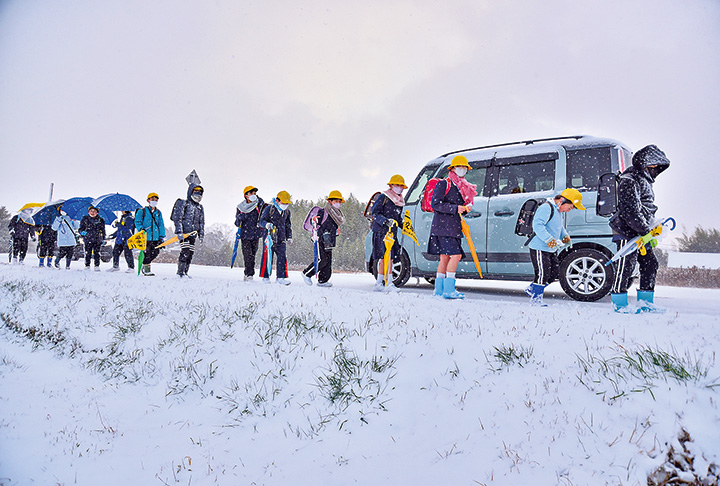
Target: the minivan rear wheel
(584, 276)
(400, 270)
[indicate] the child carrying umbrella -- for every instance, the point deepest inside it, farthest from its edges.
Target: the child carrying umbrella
(66, 237)
(328, 221)
(386, 218)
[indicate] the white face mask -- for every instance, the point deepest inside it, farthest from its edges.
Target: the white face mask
(461, 171)
(196, 197)
(336, 205)
(252, 197)
(283, 207)
(398, 189)
(152, 204)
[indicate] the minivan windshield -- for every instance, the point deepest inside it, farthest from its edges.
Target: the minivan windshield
(417, 187)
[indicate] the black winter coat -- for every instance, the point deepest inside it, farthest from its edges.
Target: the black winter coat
(48, 237)
(92, 229)
(636, 198)
(248, 222)
(384, 210)
(279, 219)
(188, 215)
(20, 228)
(327, 232)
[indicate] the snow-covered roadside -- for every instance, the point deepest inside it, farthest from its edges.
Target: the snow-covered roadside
(213, 380)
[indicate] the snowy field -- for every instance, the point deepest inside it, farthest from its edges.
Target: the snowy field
(113, 379)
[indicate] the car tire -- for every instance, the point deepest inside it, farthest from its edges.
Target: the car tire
(401, 270)
(584, 276)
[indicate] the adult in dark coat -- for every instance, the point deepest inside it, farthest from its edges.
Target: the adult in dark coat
(92, 229)
(188, 216)
(247, 218)
(451, 198)
(636, 217)
(275, 219)
(328, 220)
(387, 216)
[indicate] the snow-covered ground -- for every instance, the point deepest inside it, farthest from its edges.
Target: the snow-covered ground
(115, 379)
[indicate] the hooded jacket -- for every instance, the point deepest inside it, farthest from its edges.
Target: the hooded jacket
(188, 215)
(20, 228)
(125, 229)
(92, 229)
(636, 197)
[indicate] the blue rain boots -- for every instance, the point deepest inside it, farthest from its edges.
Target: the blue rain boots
(620, 303)
(439, 286)
(449, 291)
(42, 262)
(535, 291)
(646, 303)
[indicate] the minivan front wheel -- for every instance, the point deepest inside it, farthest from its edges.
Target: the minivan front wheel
(584, 276)
(400, 270)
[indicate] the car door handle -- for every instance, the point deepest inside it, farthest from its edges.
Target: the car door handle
(473, 215)
(504, 213)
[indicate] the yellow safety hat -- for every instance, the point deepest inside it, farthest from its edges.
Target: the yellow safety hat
(249, 188)
(284, 197)
(397, 180)
(335, 195)
(460, 161)
(153, 194)
(574, 196)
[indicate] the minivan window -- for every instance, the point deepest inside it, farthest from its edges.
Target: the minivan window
(477, 176)
(520, 178)
(417, 187)
(586, 165)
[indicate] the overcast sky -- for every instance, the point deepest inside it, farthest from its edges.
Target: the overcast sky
(130, 96)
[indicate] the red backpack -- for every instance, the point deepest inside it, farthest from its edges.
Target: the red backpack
(426, 204)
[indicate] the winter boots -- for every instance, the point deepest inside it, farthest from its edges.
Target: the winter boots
(49, 262)
(646, 304)
(42, 262)
(439, 286)
(146, 271)
(535, 292)
(449, 291)
(620, 303)
(182, 269)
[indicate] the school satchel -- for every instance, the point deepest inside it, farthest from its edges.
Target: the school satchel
(524, 223)
(426, 204)
(368, 207)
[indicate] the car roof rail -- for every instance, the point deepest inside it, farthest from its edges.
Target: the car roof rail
(522, 142)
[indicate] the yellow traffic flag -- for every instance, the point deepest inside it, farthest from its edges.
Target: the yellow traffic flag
(138, 241)
(407, 227)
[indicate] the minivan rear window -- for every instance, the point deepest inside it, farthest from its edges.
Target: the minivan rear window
(586, 165)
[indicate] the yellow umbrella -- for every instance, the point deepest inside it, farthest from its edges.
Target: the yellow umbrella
(471, 245)
(389, 242)
(31, 206)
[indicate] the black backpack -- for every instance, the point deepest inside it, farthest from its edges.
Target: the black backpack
(523, 225)
(607, 198)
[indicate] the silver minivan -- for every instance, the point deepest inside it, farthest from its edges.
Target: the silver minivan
(506, 176)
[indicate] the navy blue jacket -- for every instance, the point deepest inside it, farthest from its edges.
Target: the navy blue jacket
(248, 222)
(446, 220)
(125, 229)
(382, 211)
(279, 219)
(92, 229)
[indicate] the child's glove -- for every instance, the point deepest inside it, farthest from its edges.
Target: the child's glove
(289, 241)
(566, 240)
(268, 226)
(180, 237)
(553, 243)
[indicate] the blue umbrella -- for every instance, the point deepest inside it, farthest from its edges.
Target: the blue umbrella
(77, 207)
(47, 214)
(116, 202)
